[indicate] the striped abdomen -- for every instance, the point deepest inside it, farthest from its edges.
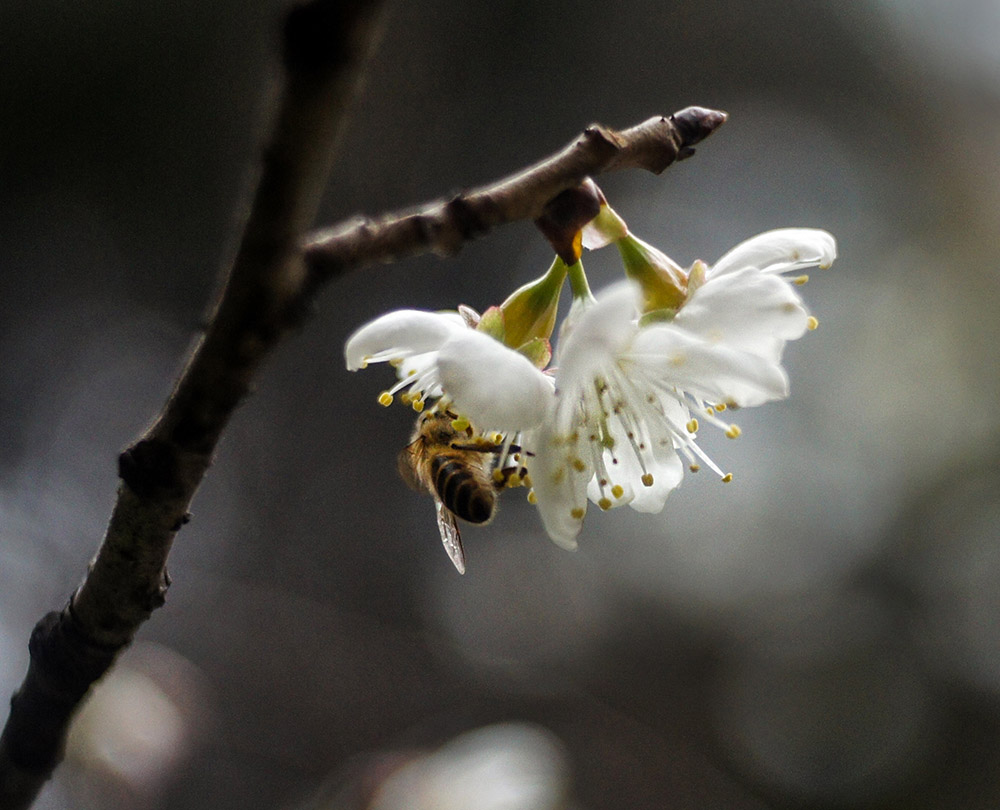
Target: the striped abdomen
(462, 490)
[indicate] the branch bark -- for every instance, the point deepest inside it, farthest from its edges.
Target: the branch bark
(275, 276)
(325, 45)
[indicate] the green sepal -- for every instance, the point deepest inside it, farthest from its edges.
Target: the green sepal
(492, 323)
(538, 351)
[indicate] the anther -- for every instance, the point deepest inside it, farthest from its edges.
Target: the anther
(692, 426)
(617, 490)
(800, 280)
(604, 503)
(647, 479)
(733, 431)
(812, 323)
(498, 476)
(694, 468)
(418, 405)
(526, 480)
(578, 465)
(532, 497)
(577, 513)
(513, 480)
(385, 399)
(727, 478)
(460, 424)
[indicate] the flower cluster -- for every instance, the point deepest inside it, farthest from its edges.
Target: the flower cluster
(638, 369)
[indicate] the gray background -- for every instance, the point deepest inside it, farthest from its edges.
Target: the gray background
(820, 633)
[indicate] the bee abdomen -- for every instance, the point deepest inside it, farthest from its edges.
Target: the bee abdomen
(461, 491)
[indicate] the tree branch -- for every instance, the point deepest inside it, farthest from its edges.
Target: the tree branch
(325, 45)
(273, 279)
(442, 227)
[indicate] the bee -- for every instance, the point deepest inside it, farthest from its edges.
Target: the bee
(457, 468)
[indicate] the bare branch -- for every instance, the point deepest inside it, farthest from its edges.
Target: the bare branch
(325, 45)
(442, 227)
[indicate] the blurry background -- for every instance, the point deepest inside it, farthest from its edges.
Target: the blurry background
(821, 633)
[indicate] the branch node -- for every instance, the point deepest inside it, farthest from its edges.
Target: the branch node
(151, 470)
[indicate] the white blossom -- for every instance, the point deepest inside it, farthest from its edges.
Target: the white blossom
(437, 355)
(630, 396)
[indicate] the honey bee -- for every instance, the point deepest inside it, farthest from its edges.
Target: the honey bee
(457, 468)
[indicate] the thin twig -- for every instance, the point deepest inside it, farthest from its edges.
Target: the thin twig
(325, 45)
(273, 280)
(443, 226)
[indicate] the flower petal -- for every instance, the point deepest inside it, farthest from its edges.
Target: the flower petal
(780, 251)
(400, 334)
(747, 310)
(712, 373)
(560, 486)
(492, 385)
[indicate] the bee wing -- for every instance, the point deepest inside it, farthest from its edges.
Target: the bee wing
(450, 536)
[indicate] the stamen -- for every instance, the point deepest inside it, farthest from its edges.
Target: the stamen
(460, 424)
(617, 490)
(812, 323)
(513, 480)
(385, 399)
(577, 513)
(647, 479)
(526, 480)
(604, 503)
(692, 426)
(532, 497)
(727, 478)
(720, 407)
(733, 432)
(800, 280)
(498, 476)
(694, 468)
(418, 405)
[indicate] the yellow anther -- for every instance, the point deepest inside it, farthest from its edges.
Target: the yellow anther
(578, 465)
(385, 399)
(710, 410)
(513, 480)
(496, 437)
(733, 431)
(461, 424)
(647, 479)
(692, 426)
(800, 280)
(577, 513)
(694, 467)
(411, 372)
(526, 480)
(727, 478)
(812, 323)
(617, 490)
(604, 503)
(532, 497)
(406, 397)
(720, 407)
(364, 363)
(498, 476)
(418, 405)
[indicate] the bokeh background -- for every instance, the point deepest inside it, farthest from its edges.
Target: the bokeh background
(822, 633)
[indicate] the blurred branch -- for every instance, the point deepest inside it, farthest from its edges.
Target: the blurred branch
(324, 49)
(272, 282)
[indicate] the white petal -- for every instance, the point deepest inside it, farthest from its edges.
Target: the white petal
(492, 385)
(746, 309)
(712, 373)
(400, 334)
(780, 251)
(560, 489)
(600, 332)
